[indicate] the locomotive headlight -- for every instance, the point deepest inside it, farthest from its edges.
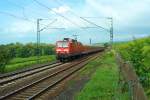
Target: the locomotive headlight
(66, 50)
(58, 50)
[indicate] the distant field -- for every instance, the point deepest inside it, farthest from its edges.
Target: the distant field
(19, 63)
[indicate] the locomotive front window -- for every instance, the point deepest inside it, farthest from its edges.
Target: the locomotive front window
(62, 44)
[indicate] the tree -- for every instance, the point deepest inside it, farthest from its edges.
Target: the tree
(4, 57)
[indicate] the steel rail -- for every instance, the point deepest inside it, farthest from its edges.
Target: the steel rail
(26, 69)
(40, 80)
(59, 80)
(10, 78)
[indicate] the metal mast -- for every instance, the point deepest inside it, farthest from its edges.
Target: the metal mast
(38, 40)
(111, 31)
(75, 36)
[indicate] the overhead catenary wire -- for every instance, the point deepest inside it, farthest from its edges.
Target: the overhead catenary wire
(83, 18)
(71, 10)
(76, 15)
(95, 24)
(41, 4)
(90, 22)
(69, 20)
(23, 11)
(21, 18)
(18, 6)
(46, 26)
(15, 16)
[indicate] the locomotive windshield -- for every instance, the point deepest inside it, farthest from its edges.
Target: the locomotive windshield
(62, 44)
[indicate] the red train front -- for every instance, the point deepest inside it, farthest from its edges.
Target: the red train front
(68, 49)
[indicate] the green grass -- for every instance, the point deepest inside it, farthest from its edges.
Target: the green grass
(88, 69)
(21, 60)
(103, 84)
(20, 63)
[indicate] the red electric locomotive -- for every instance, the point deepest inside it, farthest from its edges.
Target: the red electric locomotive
(68, 49)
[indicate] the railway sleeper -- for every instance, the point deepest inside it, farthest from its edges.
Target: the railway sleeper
(21, 96)
(25, 93)
(36, 88)
(30, 92)
(16, 98)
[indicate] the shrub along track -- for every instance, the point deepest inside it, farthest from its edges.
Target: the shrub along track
(36, 85)
(131, 78)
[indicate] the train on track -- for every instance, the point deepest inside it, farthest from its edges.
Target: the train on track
(69, 49)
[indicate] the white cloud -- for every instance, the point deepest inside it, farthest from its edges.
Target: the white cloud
(61, 9)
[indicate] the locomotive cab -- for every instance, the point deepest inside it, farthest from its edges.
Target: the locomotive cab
(62, 47)
(68, 49)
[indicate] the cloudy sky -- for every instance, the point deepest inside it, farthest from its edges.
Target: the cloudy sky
(62, 18)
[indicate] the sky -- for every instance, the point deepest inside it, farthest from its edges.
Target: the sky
(65, 18)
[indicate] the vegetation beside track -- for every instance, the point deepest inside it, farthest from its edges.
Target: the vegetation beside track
(104, 82)
(17, 53)
(20, 63)
(137, 52)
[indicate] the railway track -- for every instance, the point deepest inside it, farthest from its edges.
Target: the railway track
(23, 80)
(5, 79)
(36, 88)
(26, 69)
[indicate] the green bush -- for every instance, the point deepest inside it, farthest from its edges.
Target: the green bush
(138, 53)
(29, 49)
(4, 57)
(18, 50)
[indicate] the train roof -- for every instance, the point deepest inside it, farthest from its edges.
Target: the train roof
(69, 40)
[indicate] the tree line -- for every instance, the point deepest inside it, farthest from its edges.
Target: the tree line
(13, 50)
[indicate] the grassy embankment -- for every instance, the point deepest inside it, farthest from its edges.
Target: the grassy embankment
(137, 52)
(104, 82)
(20, 63)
